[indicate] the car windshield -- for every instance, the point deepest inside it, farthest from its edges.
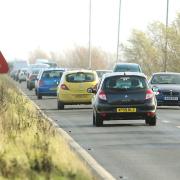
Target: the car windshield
(80, 77)
(125, 83)
(125, 68)
(166, 79)
(52, 74)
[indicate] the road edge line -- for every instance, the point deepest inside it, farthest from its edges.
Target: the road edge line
(93, 165)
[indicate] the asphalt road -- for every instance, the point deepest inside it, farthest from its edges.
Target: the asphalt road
(127, 149)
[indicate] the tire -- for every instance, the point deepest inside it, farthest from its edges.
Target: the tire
(151, 121)
(20, 81)
(39, 96)
(98, 120)
(30, 88)
(60, 105)
(147, 121)
(94, 119)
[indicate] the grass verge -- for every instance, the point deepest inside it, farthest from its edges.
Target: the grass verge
(30, 147)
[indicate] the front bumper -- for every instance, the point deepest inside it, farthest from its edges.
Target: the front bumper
(162, 102)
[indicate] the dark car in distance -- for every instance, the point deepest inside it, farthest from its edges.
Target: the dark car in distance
(31, 77)
(100, 72)
(166, 86)
(124, 96)
(127, 67)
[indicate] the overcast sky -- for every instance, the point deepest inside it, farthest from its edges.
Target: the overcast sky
(57, 25)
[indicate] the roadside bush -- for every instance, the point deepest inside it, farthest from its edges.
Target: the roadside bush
(30, 147)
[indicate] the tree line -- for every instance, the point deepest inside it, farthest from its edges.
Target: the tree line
(145, 48)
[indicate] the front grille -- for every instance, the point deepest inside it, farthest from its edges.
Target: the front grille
(170, 93)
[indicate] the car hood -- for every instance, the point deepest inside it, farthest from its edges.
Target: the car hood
(174, 87)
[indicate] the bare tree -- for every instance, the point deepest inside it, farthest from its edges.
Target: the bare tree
(37, 54)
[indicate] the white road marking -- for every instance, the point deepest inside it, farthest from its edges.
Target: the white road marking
(178, 126)
(164, 121)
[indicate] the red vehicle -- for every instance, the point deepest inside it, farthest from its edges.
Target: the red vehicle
(3, 64)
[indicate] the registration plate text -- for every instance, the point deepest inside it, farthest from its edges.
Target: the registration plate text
(170, 98)
(126, 110)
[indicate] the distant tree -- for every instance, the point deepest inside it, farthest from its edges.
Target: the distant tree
(174, 45)
(79, 58)
(37, 54)
(141, 50)
(148, 48)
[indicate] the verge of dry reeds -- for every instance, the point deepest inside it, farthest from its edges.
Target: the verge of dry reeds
(30, 147)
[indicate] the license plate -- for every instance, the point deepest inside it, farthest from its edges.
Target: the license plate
(126, 110)
(169, 98)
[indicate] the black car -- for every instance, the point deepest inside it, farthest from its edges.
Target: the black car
(124, 96)
(167, 88)
(127, 67)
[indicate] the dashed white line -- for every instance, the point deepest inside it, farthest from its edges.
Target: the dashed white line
(165, 121)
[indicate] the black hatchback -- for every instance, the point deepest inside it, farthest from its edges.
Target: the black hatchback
(124, 96)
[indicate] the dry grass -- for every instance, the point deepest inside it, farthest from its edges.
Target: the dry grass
(30, 148)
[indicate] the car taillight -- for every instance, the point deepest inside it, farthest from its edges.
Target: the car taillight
(151, 114)
(102, 95)
(149, 94)
(64, 87)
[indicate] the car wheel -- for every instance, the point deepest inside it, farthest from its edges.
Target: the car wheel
(30, 88)
(39, 96)
(20, 81)
(60, 105)
(94, 119)
(98, 120)
(35, 92)
(147, 121)
(151, 121)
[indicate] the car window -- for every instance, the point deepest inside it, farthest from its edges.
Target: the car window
(125, 83)
(80, 77)
(52, 74)
(166, 79)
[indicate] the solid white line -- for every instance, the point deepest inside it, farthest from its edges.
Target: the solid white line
(97, 170)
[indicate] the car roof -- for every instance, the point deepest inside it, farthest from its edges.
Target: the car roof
(124, 74)
(51, 69)
(166, 73)
(126, 63)
(80, 70)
